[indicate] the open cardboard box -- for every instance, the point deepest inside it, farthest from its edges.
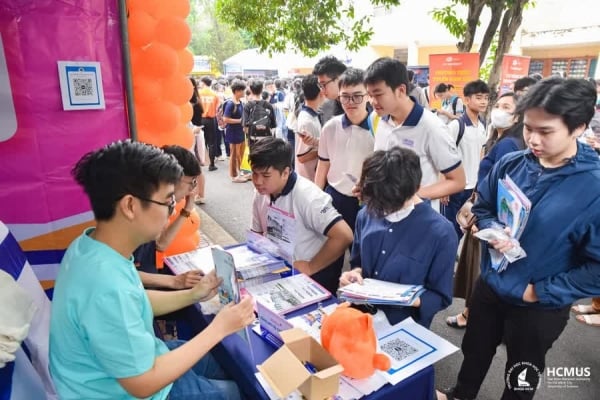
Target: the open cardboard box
(285, 370)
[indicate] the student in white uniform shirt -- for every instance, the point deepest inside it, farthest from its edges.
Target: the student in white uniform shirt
(346, 141)
(308, 129)
(405, 123)
(296, 215)
(470, 144)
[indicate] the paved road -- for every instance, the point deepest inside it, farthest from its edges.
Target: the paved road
(229, 205)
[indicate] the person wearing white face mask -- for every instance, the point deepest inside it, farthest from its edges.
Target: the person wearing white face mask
(506, 136)
(399, 238)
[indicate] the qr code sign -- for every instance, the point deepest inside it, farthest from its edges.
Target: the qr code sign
(83, 86)
(398, 349)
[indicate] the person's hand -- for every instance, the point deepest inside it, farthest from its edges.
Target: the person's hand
(529, 296)
(357, 192)
(234, 317)
(303, 266)
(308, 140)
(445, 200)
(417, 303)
(187, 280)
(206, 288)
(503, 245)
(349, 277)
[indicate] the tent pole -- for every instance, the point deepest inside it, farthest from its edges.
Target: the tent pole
(127, 70)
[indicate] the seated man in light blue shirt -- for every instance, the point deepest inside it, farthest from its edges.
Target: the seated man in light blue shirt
(102, 343)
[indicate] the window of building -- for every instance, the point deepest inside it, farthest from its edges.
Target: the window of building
(580, 67)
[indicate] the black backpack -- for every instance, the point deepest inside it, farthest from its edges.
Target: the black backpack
(260, 118)
(462, 124)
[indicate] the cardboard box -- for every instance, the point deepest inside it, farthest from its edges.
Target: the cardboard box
(285, 370)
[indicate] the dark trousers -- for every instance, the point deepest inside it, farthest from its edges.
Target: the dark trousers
(210, 137)
(527, 332)
(227, 149)
(454, 204)
(329, 277)
(291, 138)
(346, 205)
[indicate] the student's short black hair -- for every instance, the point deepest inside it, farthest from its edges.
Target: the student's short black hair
(206, 80)
(443, 87)
(185, 158)
(387, 70)
(352, 77)
(310, 87)
(256, 86)
(476, 87)
(411, 75)
(265, 95)
(330, 66)
(523, 83)
(278, 83)
(574, 100)
(123, 168)
(238, 84)
(270, 152)
(388, 179)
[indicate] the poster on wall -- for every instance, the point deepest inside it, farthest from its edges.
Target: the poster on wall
(81, 85)
(513, 68)
(456, 69)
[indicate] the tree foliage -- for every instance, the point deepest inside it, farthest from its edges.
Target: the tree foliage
(310, 26)
(505, 14)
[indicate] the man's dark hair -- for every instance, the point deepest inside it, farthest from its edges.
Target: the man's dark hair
(185, 158)
(330, 66)
(411, 76)
(123, 168)
(278, 84)
(574, 100)
(476, 87)
(256, 86)
(270, 152)
(523, 83)
(387, 70)
(443, 87)
(238, 84)
(352, 77)
(265, 95)
(388, 179)
(206, 80)
(310, 87)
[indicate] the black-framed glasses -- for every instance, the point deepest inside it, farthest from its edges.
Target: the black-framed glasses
(193, 183)
(170, 204)
(354, 98)
(323, 85)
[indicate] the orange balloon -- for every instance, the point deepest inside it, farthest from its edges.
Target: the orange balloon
(182, 136)
(141, 28)
(186, 112)
(177, 89)
(186, 61)
(180, 8)
(161, 116)
(163, 9)
(146, 90)
(157, 61)
(173, 31)
(148, 6)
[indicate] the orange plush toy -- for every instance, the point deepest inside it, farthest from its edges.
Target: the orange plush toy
(348, 335)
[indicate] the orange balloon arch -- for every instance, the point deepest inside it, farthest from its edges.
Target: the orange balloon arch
(160, 63)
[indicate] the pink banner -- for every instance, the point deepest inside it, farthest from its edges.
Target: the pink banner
(36, 186)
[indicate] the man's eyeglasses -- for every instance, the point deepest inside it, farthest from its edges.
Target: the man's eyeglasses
(193, 183)
(323, 85)
(169, 204)
(354, 98)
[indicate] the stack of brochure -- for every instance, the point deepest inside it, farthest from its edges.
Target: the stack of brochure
(373, 291)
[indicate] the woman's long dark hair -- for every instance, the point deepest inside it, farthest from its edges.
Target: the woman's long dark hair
(515, 131)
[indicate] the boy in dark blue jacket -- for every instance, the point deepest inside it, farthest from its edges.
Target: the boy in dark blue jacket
(527, 305)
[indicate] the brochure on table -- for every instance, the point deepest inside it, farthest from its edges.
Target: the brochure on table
(410, 346)
(374, 291)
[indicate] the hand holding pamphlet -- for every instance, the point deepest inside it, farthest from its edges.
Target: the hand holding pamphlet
(373, 291)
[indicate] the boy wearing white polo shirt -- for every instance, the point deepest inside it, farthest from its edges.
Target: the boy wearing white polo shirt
(405, 123)
(308, 129)
(346, 141)
(468, 132)
(296, 215)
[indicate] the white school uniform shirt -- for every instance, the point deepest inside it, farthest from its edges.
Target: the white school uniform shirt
(345, 146)
(311, 208)
(469, 148)
(309, 123)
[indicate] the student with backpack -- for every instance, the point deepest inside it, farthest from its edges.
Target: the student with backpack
(469, 134)
(234, 133)
(259, 117)
(452, 105)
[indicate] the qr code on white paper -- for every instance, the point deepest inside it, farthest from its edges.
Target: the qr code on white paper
(83, 86)
(398, 349)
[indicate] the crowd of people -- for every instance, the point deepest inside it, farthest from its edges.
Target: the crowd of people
(342, 160)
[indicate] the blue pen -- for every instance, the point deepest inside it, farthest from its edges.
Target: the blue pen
(310, 367)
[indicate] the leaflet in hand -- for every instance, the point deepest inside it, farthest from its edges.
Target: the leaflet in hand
(373, 291)
(225, 269)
